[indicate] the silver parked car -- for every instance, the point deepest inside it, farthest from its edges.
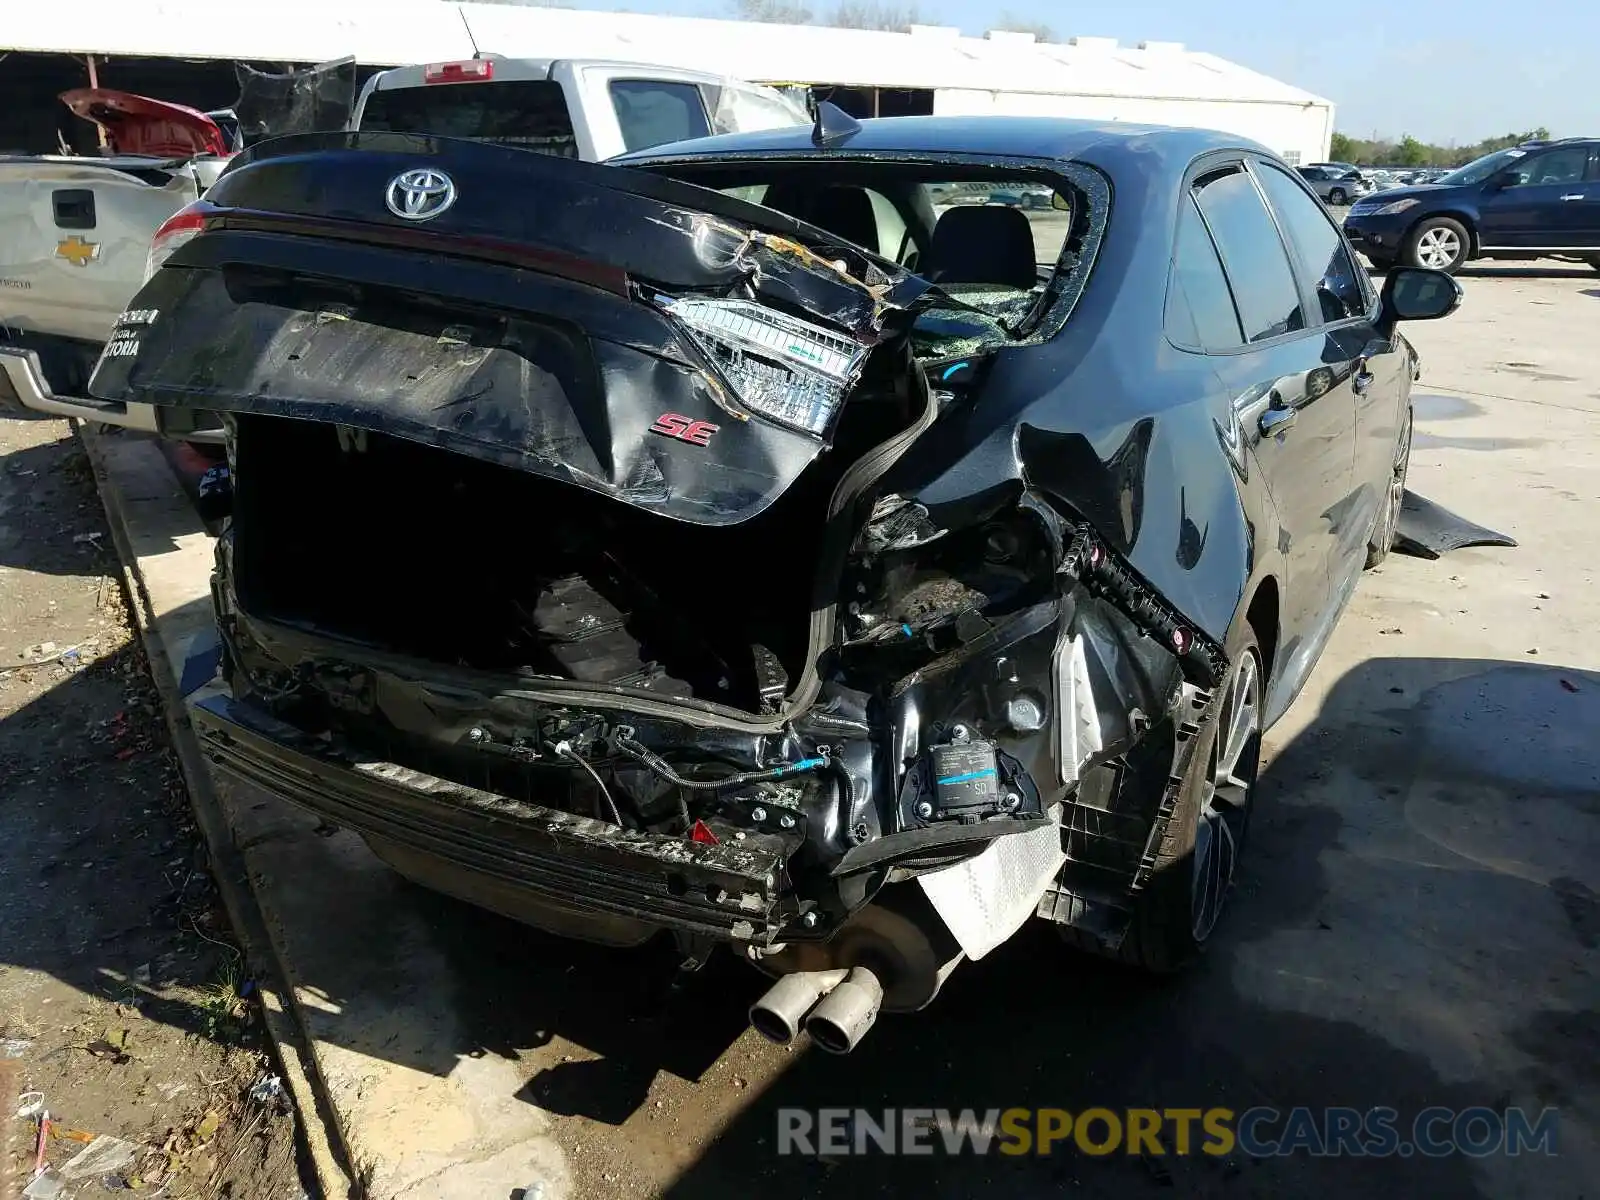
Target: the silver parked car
(1336, 187)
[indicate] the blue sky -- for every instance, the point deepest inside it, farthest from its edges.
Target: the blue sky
(1441, 70)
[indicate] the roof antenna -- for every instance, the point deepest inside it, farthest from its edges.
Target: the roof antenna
(834, 126)
(476, 53)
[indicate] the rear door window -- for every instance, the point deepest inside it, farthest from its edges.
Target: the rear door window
(1200, 309)
(528, 113)
(1341, 288)
(653, 112)
(1253, 255)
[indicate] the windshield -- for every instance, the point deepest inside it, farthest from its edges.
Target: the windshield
(1480, 169)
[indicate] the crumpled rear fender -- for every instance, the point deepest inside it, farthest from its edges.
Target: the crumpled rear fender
(1162, 490)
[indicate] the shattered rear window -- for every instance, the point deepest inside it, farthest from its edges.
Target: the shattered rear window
(527, 113)
(1006, 244)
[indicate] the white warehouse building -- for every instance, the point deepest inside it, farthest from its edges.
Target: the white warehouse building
(928, 69)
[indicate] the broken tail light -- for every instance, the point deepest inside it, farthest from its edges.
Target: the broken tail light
(780, 367)
(174, 232)
(468, 70)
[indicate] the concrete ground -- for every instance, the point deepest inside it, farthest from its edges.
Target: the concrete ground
(1417, 922)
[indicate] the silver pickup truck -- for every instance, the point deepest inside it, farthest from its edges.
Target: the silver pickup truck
(79, 235)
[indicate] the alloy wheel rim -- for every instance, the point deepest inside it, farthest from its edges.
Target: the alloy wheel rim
(1438, 248)
(1226, 794)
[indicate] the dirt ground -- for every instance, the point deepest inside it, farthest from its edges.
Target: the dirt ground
(125, 1008)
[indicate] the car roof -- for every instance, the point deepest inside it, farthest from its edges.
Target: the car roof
(1107, 144)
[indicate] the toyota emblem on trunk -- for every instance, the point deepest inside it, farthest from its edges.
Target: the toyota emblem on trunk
(421, 194)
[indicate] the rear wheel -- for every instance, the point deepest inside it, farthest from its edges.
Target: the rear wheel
(1388, 519)
(1439, 243)
(1175, 915)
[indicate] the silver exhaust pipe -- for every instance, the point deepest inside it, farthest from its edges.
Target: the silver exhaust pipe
(777, 1015)
(842, 1018)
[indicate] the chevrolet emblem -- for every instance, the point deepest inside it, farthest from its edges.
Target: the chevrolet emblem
(77, 251)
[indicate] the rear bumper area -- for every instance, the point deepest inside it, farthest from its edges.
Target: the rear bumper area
(523, 854)
(23, 386)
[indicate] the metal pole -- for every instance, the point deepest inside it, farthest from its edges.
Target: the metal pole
(94, 82)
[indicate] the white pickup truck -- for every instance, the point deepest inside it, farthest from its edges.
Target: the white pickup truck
(75, 232)
(79, 235)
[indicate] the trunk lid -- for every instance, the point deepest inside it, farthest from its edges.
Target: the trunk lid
(677, 349)
(140, 125)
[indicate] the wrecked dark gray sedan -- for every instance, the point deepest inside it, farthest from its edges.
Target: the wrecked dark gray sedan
(755, 541)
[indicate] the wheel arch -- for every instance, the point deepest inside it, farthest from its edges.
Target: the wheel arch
(1262, 614)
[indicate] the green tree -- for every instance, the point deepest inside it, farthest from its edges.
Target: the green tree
(1411, 153)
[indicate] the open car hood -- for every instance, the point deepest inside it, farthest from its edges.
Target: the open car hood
(140, 125)
(680, 350)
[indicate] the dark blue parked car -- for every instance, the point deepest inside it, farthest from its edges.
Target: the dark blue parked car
(1537, 200)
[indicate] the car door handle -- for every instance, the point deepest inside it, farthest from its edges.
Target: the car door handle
(1361, 381)
(1275, 420)
(1573, 196)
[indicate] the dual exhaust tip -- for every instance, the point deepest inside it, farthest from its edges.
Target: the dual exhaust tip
(836, 1008)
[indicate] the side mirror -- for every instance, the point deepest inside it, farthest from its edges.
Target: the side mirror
(1505, 179)
(1418, 294)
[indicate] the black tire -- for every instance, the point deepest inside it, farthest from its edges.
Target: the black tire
(1338, 197)
(1168, 930)
(1428, 240)
(1387, 523)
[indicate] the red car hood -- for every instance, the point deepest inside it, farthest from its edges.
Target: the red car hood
(140, 125)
